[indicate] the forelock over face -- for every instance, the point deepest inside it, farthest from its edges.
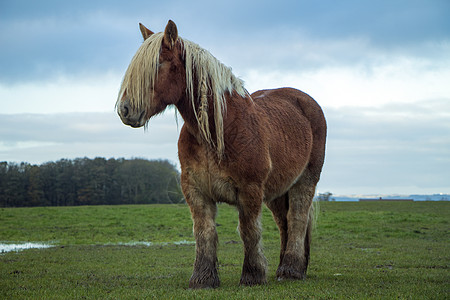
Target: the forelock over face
(140, 77)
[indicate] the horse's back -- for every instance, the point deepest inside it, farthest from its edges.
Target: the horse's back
(280, 98)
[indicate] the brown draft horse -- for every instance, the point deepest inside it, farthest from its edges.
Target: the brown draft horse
(234, 147)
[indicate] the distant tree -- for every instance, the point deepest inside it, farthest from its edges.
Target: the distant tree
(3, 181)
(15, 187)
(324, 197)
(85, 181)
(35, 193)
(49, 184)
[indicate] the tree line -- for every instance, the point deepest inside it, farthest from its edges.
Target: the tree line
(85, 181)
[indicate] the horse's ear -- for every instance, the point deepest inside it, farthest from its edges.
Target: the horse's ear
(146, 33)
(170, 34)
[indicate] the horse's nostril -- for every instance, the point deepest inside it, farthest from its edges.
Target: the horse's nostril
(124, 110)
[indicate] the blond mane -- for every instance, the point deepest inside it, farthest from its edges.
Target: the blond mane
(214, 79)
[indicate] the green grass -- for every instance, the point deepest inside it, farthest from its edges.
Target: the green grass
(360, 251)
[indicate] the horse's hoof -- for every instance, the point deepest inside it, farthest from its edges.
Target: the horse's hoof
(290, 273)
(253, 279)
(204, 283)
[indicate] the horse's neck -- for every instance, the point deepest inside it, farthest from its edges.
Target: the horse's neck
(186, 111)
(234, 102)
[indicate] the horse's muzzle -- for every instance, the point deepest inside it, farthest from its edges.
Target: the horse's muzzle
(129, 115)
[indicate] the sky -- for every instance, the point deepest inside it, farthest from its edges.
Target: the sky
(379, 69)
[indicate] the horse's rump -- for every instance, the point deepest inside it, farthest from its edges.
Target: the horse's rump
(296, 130)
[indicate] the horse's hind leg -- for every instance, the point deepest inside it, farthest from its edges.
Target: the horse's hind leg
(279, 208)
(255, 264)
(299, 218)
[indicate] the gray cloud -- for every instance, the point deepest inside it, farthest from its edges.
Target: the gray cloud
(396, 148)
(38, 138)
(52, 37)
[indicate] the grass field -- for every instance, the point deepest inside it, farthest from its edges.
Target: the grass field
(360, 251)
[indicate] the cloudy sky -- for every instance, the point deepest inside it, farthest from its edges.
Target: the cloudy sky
(380, 70)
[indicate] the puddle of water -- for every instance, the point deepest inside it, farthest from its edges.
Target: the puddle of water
(19, 247)
(148, 244)
(183, 242)
(23, 246)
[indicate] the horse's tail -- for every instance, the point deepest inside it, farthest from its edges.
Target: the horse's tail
(312, 225)
(314, 214)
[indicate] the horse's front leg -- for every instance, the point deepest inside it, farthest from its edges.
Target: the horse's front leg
(203, 212)
(255, 264)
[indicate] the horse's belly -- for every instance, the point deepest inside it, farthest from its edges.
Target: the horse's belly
(216, 186)
(288, 165)
(279, 184)
(225, 190)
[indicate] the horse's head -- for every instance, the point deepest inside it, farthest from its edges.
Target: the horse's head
(155, 77)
